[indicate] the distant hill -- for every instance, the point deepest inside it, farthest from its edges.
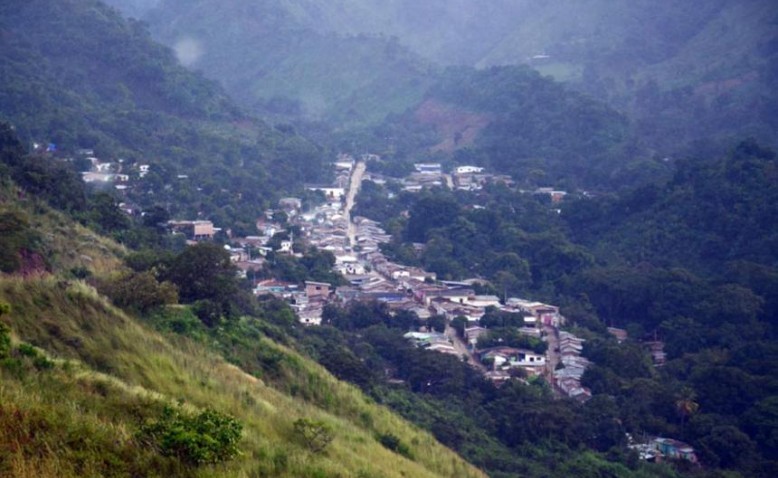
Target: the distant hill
(283, 59)
(682, 71)
(710, 215)
(77, 75)
(513, 121)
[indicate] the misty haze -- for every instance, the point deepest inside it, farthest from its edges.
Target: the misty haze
(307, 238)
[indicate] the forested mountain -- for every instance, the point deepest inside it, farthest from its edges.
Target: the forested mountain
(148, 358)
(280, 58)
(77, 75)
(688, 262)
(681, 72)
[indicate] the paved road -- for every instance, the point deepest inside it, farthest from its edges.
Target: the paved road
(461, 348)
(353, 188)
(553, 357)
(449, 181)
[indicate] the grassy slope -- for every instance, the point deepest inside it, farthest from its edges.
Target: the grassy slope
(81, 419)
(71, 321)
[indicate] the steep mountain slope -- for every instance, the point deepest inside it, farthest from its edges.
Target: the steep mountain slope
(277, 57)
(94, 394)
(75, 74)
(682, 71)
(511, 120)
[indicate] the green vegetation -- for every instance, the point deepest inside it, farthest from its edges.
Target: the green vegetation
(510, 120)
(77, 75)
(104, 373)
(282, 60)
(88, 390)
(688, 261)
(316, 435)
(123, 374)
(206, 438)
(510, 431)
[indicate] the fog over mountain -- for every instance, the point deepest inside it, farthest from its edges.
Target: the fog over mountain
(389, 239)
(677, 69)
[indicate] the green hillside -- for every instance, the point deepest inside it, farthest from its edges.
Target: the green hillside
(681, 72)
(75, 74)
(87, 389)
(514, 121)
(280, 58)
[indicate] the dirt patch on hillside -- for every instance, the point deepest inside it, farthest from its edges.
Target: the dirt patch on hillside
(458, 128)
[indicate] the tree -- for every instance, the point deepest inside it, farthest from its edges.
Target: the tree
(437, 323)
(204, 272)
(105, 213)
(315, 434)
(140, 291)
(459, 323)
(685, 404)
(205, 438)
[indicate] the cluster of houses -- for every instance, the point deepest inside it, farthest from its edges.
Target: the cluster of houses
(465, 178)
(373, 277)
(434, 341)
(568, 378)
(109, 172)
(659, 449)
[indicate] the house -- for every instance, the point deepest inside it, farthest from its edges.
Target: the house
(310, 316)
(290, 204)
(332, 194)
(317, 289)
(144, 169)
(657, 350)
(620, 334)
(459, 296)
(468, 169)
(285, 247)
(428, 168)
(473, 333)
(194, 230)
(90, 177)
(104, 167)
(483, 301)
(429, 340)
(509, 357)
(275, 287)
(675, 449)
(344, 165)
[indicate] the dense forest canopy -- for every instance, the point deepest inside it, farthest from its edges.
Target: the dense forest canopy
(78, 76)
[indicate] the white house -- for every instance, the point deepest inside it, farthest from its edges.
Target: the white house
(469, 169)
(428, 168)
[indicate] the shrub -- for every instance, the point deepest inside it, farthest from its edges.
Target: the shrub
(315, 434)
(205, 438)
(393, 443)
(5, 341)
(140, 291)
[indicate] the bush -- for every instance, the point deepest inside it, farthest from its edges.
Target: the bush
(206, 438)
(393, 443)
(315, 434)
(140, 291)
(5, 341)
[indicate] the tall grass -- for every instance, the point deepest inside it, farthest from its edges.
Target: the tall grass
(124, 372)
